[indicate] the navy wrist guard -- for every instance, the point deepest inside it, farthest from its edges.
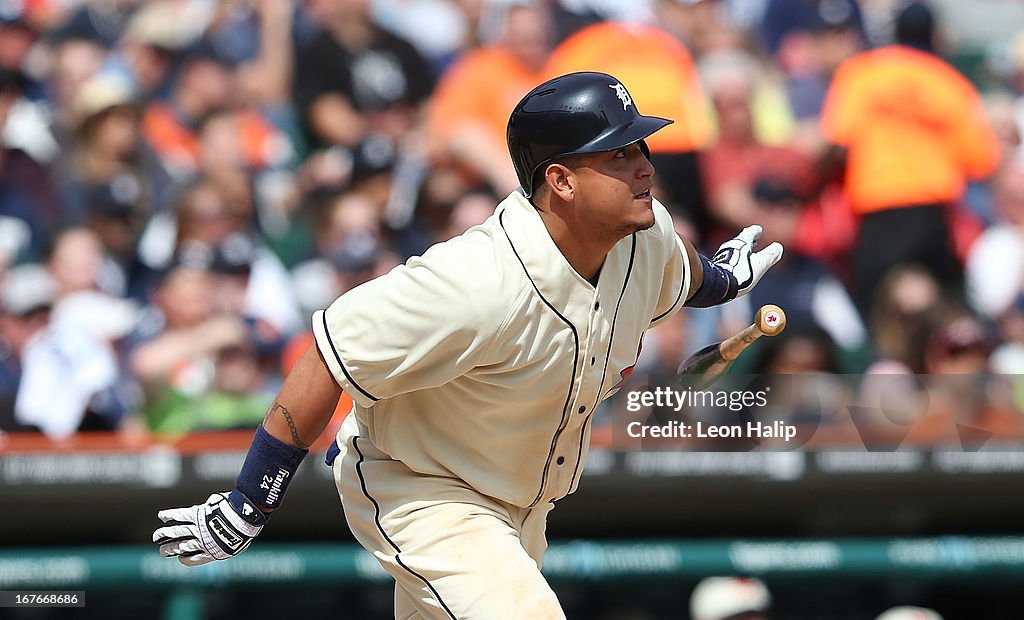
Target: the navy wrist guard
(718, 287)
(268, 469)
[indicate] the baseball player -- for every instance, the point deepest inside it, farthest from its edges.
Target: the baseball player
(475, 368)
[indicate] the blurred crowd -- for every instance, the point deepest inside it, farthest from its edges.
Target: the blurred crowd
(749, 598)
(182, 182)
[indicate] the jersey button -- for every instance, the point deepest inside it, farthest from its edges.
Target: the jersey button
(593, 360)
(597, 305)
(561, 460)
(582, 409)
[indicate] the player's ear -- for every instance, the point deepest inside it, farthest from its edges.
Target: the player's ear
(560, 180)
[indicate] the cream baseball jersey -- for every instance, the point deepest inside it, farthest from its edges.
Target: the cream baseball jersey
(485, 357)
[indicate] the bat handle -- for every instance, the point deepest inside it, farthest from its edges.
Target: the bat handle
(770, 320)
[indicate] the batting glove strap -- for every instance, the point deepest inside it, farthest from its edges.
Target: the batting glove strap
(223, 529)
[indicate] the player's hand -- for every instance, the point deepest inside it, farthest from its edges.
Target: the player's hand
(221, 528)
(738, 257)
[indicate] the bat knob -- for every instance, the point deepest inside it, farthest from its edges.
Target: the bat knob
(770, 320)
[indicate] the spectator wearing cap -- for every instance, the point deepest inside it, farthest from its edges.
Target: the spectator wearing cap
(730, 598)
(909, 612)
(153, 38)
(16, 37)
(27, 201)
(103, 22)
(28, 125)
(24, 312)
(245, 381)
(205, 220)
(956, 359)
(74, 60)
(105, 146)
(912, 131)
(958, 345)
(43, 354)
(115, 213)
(808, 40)
(349, 251)
(789, 22)
(474, 97)
(260, 183)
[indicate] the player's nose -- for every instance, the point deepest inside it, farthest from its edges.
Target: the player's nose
(645, 168)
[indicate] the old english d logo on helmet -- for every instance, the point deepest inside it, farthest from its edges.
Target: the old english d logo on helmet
(622, 94)
(585, 112)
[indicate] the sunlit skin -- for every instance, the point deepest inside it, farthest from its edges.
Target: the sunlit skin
(591, 201)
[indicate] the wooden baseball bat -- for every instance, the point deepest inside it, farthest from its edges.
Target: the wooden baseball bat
(703, 367)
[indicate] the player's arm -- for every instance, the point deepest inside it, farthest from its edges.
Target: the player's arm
(696, 269)
(226, 524)
(306, 402)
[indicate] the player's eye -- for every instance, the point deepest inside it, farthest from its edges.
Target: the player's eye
(621, 153)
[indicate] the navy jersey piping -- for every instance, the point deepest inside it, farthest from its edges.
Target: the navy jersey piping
(675, 303)
(334, 350)
(607, 357)
(575, 361)
(380, 528)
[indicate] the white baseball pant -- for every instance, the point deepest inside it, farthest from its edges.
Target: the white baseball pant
(454, 553)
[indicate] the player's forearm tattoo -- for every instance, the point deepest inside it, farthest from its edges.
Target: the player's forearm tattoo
(278, 407)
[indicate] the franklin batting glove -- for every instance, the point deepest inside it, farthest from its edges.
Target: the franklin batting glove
(221, 528)
(737, 256)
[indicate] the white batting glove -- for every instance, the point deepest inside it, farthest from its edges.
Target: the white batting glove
(737, 256)
(221, 528)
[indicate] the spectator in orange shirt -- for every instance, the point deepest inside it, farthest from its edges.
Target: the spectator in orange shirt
(913, 131)
(472, 102)
(207, 86)
(660, 75)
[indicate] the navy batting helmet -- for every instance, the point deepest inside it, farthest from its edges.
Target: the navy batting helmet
(575, 113)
